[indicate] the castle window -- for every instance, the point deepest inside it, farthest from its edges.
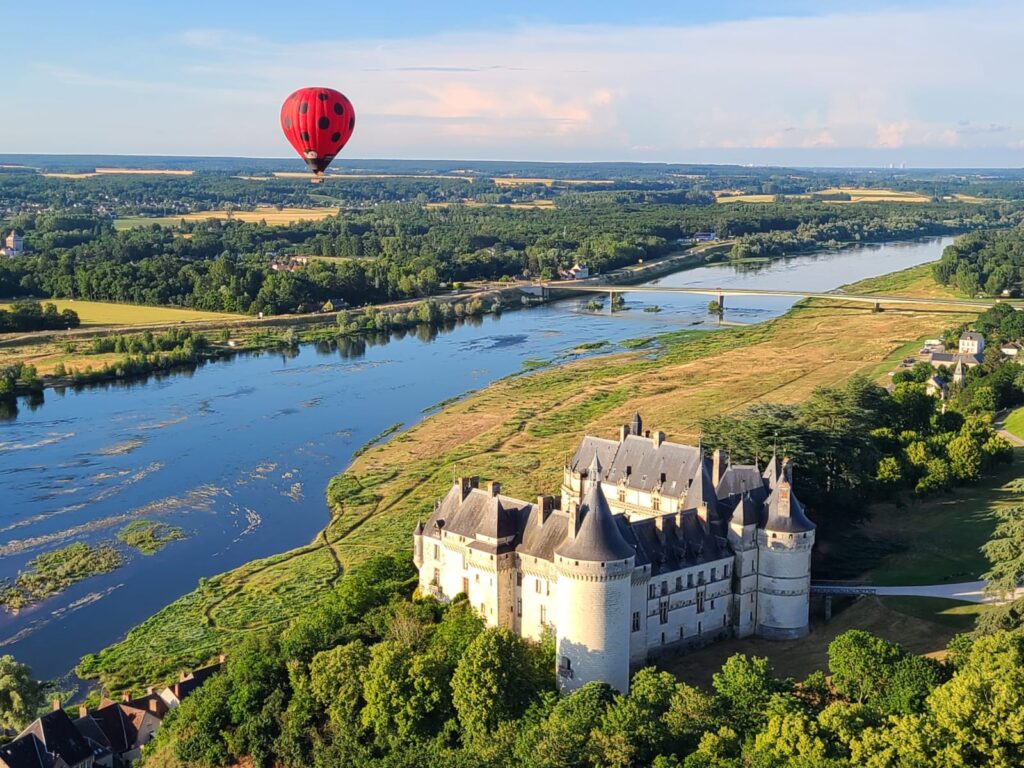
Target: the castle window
(664, 588)
(437, 552)
(700, 603)
(465, 561)
(725, 572)
(543, 615)
(681, 633)
(679, 583)
(662, 638)
(519, 606)
(547, 588)
(436, 581)
(663, 613)
(699, 628)
(476, 578)
(465, 586)
(483, 608)
(724, 622)
(636, 621)
(622, 496)
(712, 605)
(650, 592)
(689, 581)
(519, 579)
(700, 577)
(713, 572)
(536, 585)
(655, 503)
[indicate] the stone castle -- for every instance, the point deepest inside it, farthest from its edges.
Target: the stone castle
(651, 546)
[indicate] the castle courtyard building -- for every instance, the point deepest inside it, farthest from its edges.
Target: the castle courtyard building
(650, 546)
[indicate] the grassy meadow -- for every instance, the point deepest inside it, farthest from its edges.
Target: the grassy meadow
(856, 194)
(107, 313)
(272, 216)
(519, 431)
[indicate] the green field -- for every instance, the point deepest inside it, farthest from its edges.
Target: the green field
(1014, 423)
(106, 313)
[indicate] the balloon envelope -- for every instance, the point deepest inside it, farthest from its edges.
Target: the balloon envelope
(318, 122)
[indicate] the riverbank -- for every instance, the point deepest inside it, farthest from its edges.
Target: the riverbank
(518, 431)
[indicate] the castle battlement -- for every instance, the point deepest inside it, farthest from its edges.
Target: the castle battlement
(652, 545)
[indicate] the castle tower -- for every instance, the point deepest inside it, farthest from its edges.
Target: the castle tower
(417, 545)
(784, 545)
(742, 537)
(594, 566)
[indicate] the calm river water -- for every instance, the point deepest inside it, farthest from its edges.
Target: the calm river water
(238, 453)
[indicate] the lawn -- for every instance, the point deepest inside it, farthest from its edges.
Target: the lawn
(1014, 423)
(885, 618)
(513, 181)
(519, 431)
(273, 217)
(106, 313)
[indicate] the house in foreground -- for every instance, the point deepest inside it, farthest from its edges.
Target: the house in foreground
(652, 545)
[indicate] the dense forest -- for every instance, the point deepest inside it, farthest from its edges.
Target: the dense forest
(989, 263)
(395, 250)
(375, 675)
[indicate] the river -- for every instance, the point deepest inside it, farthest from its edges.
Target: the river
(238, 452)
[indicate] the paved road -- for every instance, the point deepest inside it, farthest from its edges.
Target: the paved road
(1000, 428)
(966, 591)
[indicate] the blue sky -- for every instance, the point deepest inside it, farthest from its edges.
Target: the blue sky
(774, 82)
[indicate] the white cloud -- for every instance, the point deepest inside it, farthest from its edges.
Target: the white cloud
(939, 80)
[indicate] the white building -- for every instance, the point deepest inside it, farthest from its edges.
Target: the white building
(653, 546)
(972, 343)
(14, 245)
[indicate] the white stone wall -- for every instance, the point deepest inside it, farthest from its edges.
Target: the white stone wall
(538, 595)
(744, 609)
(784, 584)
(632, 502)
(593, 607)
(688, 605)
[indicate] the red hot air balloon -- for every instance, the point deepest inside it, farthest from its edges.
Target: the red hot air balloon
(318, 122)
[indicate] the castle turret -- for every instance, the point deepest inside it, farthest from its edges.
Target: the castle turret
(742, 537)
(417, 545)
(594, 565)
(784, 543)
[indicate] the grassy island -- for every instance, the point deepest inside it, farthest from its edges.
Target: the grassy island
(51, 572)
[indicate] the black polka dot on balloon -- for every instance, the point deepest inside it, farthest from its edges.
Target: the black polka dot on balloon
(287, 122)
(322, 96)
(338, 109)
(323, 123)
(303, 107)
(351, 123)
(305, 135)
(336, 136)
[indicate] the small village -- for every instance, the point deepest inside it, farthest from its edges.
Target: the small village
(111, 735)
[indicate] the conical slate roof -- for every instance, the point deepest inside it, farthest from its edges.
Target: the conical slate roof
(598, 538)
(702, 489)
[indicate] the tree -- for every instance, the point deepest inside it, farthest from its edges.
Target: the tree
(965, 458)
(492, 683)
(633, 730)
(563, 739)
(20, 695)
(745, 685)
(1005, 553)
(336, 681)
(861, 664)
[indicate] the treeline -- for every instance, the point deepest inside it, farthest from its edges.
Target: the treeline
(28, 315)
(987, 262)
(376, 676)
(408, 250)
(858, 441)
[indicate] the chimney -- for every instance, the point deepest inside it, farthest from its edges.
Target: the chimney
(222, 658)
(83, 711)
(182, 676)
(623, 432)
(149, 691)
(718, 458)
(126, 696)
(56, 703)
(784, 493)
(574, 511)
(664, 523)
(493, 487)
(659, 438)
(647, 433)
(545, 504)
(153, 704)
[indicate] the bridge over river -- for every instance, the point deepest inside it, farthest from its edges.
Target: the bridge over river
(720, 294)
